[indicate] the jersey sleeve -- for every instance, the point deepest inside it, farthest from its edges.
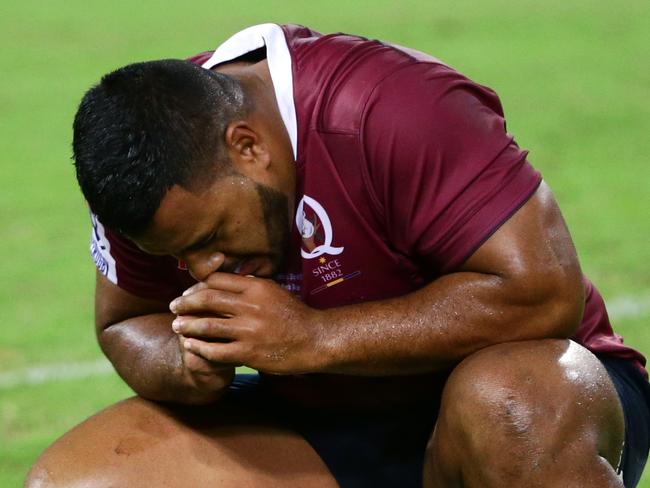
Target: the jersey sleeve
(125, 265)
(444, 172)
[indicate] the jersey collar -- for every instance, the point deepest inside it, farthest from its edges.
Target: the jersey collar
(279, 60)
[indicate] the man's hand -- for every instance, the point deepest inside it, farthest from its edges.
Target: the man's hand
(204, 376)
(136, 335)
(246, 320)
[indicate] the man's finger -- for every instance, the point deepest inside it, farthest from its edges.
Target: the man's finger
(204, 327)
(206, 300)
(219, 352)
(231, 282)
(194, 288)
(201, 366)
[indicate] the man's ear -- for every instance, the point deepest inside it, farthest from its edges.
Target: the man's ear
(247, 150)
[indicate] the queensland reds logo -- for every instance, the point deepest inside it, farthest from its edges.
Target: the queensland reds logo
(315, 228)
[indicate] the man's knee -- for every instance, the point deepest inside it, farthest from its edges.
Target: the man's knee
(516, 386)
(98, 451)
(517, 404)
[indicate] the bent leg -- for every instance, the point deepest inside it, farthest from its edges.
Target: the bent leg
(137, 443)
(527, 414)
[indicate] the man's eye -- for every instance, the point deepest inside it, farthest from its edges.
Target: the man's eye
(202, 243)
(207, 240)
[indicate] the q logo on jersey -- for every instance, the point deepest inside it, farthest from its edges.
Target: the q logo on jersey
(315, 228)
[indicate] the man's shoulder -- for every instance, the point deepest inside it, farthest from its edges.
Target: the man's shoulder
(335, 75)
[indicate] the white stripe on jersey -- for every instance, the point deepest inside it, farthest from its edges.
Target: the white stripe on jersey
(100, 250)
(279, 59)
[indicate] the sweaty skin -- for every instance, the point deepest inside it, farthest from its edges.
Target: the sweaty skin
(513, 413)
(523, 283)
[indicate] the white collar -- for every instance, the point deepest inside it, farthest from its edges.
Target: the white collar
(279, 60)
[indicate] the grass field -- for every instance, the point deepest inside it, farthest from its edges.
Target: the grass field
(573, 76)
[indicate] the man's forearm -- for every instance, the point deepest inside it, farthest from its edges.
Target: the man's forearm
(439, 325)
(523, 283)
(146, 354)
(424, 331)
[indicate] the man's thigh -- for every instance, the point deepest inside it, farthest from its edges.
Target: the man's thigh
(137, 443)
(249, 438)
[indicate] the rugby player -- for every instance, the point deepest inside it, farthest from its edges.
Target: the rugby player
(352, 220)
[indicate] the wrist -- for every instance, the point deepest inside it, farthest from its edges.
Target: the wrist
(200, 381)
(199, 388)
(324, 342)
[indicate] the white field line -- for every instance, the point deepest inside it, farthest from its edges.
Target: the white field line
(46, 373)
(628, 307)
(618, 308)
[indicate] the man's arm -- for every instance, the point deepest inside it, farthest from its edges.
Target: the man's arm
(136, 336)
(523, 283)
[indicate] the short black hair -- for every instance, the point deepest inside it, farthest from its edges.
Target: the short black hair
(147, 127)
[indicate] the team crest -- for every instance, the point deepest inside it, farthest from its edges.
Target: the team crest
(315, 228)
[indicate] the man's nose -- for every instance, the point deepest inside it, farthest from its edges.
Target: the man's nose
(202, 265)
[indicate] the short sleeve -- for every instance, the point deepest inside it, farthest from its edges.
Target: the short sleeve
(130, 268)
(444, 172)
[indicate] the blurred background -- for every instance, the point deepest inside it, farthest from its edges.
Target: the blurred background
(573, 76)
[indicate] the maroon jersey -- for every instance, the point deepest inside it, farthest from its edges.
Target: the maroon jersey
(404, 169)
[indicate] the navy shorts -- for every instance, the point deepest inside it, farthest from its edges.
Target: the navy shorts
(634, 391)
(361, 448)
(386, 449)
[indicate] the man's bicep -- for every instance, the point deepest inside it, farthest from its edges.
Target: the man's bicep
(113, 304)
(534, 256)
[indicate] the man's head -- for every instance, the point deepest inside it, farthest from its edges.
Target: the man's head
(147, 127)
(168, 153)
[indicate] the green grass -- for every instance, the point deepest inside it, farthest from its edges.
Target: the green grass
(573, 77)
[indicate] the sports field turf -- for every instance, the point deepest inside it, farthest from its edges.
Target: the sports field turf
(573, 76)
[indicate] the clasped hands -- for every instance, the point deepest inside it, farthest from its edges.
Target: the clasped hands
(231, 320)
